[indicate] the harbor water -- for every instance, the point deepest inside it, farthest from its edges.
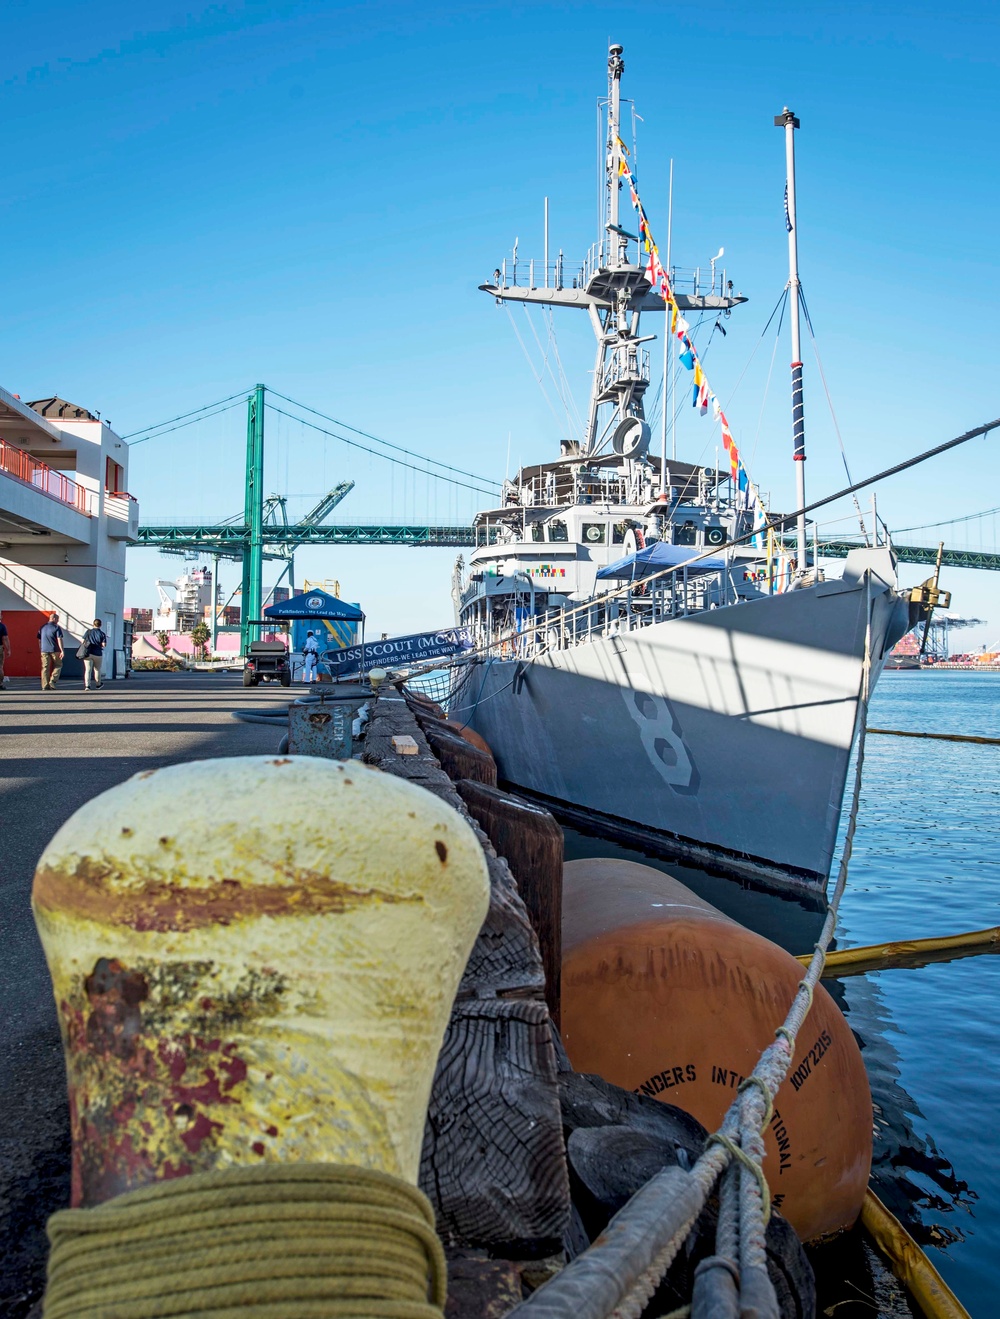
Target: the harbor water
(926, 862)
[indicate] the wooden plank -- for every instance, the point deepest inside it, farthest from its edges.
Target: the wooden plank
(493, 1162)
(482, 1288)
(505, 959)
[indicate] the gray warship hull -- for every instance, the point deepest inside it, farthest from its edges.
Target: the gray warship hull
(724, 737)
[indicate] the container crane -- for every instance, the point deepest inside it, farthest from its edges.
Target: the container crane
(276, 515)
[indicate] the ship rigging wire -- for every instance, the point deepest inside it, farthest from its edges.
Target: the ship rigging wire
(547, 364)
(767, 383)
(829, 400)
(787, 520)
(538, 376)
(567, 392)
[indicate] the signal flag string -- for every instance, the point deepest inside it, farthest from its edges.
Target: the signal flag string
(704, 395)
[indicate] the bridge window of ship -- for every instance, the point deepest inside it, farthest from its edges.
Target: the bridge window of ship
(686, 534)
(557, 530)
(537, 531)
(594, 533)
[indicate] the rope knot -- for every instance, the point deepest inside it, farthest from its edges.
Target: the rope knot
(751, 1165)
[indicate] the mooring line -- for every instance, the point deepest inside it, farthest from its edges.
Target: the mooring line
(938, 737)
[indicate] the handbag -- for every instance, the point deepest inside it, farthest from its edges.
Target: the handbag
(82, 650)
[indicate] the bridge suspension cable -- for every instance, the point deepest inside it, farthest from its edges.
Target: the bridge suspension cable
(436, 476)
(199, 414)
(948, 522)
(435, 462)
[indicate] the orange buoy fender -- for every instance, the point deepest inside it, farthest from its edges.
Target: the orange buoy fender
(470, 735)
(664, 995)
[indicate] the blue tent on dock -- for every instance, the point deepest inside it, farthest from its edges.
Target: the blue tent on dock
(335, 622)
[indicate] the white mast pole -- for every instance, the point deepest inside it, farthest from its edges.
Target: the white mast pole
(616, 66)
(545, 281)
(788, 121)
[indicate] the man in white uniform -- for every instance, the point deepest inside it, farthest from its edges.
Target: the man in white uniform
(310, 653)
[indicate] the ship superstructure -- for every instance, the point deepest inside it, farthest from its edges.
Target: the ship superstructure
(649, 652)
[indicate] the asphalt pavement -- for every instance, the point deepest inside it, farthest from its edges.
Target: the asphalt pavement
(57, 750)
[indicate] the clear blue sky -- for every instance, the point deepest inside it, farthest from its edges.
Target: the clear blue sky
(307, 194)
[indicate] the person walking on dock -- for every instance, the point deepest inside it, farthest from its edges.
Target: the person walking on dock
(4, 652)
(310, 654)
(94, 640)
(50, 643)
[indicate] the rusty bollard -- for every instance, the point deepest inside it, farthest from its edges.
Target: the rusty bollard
(254, 960)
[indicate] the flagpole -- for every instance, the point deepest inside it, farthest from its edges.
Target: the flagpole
(670, 235)
(790, 123)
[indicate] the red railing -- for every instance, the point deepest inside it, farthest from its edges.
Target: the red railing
(40, 476)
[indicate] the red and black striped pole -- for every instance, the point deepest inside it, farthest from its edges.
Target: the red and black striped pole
(790, 123)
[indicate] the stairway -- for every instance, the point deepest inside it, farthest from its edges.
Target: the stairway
(36, 600)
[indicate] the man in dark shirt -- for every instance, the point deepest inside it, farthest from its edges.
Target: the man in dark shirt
(4, 651)
(95, 640)
(50, 643)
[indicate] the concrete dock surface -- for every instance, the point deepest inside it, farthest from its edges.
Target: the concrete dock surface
(57, 750)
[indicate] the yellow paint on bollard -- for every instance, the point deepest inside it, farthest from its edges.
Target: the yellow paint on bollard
(254, 959)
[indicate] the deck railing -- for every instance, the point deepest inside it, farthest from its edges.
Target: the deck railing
(40, 476)
(527, 272)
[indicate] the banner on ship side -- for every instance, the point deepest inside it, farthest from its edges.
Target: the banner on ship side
(397, 652)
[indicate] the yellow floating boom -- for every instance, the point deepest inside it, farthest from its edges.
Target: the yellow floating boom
(909, 1263)
(907, 952)
(937, 737)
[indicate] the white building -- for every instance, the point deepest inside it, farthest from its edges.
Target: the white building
(65, 520)
(191, 602)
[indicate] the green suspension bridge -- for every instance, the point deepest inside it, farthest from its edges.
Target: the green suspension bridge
(262, 535)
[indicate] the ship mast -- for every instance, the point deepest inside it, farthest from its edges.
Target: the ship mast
(614, 294)
(616, 241)
(790, 123)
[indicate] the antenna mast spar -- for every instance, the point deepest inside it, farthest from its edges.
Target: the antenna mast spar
(790, 123)
(616, 244)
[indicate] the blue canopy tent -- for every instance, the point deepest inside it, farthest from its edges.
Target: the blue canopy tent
(323, 609)
(654, 558)
(315, 604)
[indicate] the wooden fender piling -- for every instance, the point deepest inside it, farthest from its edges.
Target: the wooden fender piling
(459, 758)
(470, 735)
(531, 841)
(254, 960)
(666, 996)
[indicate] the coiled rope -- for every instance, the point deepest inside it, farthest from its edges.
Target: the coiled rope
(317, 1241)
